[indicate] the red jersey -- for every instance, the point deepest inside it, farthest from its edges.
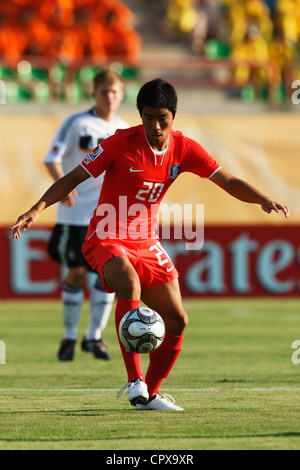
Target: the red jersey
(137, 178)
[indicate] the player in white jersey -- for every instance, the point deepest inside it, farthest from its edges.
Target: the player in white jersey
(78, 135)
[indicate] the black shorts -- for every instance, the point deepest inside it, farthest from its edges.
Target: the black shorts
(65, 246)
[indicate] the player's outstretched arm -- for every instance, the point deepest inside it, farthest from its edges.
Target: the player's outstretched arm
(55, 170)
(54, 194)
(247, 193)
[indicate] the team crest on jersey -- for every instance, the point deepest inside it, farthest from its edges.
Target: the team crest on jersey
(174, 171)
(95, 153)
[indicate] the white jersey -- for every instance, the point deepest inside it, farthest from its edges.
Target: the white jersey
(78, 135)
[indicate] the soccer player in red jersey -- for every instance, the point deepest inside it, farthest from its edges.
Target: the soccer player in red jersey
(140, 164)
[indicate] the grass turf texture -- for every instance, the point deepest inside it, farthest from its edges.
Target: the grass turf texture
(235, 379)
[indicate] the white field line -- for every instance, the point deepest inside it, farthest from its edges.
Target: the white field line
(200, 390)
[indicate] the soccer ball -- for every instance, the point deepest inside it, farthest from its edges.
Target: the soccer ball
(142, 330)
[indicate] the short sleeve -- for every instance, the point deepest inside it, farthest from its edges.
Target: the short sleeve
(198, 160)
(102, 157)
(63, 140)
(57, 148)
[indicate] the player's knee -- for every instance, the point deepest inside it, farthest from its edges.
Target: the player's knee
(76, 276)
(120, 275)
(177, 323)
(128, 287)
(182, 321)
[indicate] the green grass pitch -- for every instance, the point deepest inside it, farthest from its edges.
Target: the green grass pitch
(235, 379)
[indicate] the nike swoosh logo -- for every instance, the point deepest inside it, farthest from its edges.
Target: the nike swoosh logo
(132, 170)
(170, 269)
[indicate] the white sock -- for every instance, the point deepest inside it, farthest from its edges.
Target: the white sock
(101, 305)
(72, 298)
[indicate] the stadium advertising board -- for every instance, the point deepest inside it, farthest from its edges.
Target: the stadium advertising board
(235, 260)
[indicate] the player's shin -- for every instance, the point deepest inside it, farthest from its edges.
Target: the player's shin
(101, 305)
(132, 360)
(162, 361)
(72, 298)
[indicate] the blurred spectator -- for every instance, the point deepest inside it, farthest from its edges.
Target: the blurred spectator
(237, 23)
(180, 18)
(258, 13)
(287, 19)
(209, 23)
(68, 29)
(253, 58)
(40, 34)
(13, 39)
(271, 5)
(55, 13)
(120, 38)
(282, 53)
(264, 37)
(195, 20)
(91, 33)
(253, 31)
(244, 14)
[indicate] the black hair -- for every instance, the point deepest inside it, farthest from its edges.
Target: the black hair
(157, 93)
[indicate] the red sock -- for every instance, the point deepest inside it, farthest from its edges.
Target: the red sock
(132, 360)
(161, 362)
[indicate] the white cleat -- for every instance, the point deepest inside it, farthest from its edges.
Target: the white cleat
(137, 392)
(160, 402)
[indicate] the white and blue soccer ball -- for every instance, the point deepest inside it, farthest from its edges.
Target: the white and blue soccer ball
(142, 330)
